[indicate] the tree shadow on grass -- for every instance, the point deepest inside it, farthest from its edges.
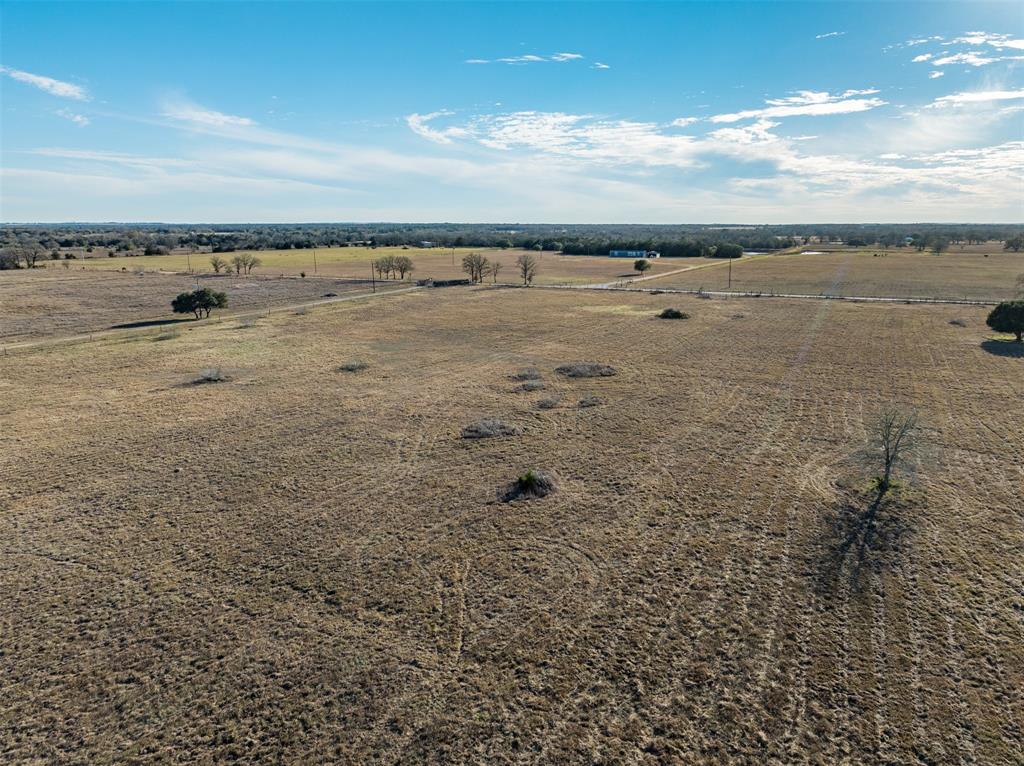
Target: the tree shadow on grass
(149, 323)
(1004, 348)
(867, 534)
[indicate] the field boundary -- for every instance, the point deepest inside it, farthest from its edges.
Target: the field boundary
(113, 332)
(758, 294)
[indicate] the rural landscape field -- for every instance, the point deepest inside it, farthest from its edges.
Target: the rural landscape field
(303, 563)
(504, 383)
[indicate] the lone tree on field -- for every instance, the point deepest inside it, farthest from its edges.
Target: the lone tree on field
(1008, 317)
(939, 245)
(641, 265)
(892, 443)
(199, 302)
(728, 250)
(403, 265)
(527, 268)
(475, 265)
(218, 264)
(493, 270)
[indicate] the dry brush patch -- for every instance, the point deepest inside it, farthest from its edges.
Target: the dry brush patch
(313, 566)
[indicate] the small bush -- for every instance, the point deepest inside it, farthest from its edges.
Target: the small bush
(168, 335)
(527, 373)
(211, 375)
(588, 401)
(958, 322)
(354, 366)
(550, 403)
(488, 428)
(532, 484)
(673, 314)
(532, 385)
(586, 370)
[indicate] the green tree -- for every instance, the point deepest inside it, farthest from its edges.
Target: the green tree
(641, 265)
(199, 302)
(728, 250)
(1008, 317)
(218, 264)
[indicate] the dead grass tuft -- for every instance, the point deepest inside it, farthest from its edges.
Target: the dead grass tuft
(586, 370)
(488, 428)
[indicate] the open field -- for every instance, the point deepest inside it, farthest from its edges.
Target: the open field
(306, 565)
(354, 263)
(901, 274)
(46, 303)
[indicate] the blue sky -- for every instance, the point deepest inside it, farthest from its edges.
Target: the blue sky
(575, 112)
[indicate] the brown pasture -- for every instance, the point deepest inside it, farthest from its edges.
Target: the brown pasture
(302, 564)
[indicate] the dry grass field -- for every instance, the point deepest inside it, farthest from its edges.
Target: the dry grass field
(47, 303)
(354, 263)
(900, 274)
(302, 564)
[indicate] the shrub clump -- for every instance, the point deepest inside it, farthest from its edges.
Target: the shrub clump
(586, 370)
(527, 373)
(211, 375)
(530, 485)
(532, 385)
(487, 428)
(588, 401)
(549, 404)
(354, 366)
(958, 322)
(673, 314)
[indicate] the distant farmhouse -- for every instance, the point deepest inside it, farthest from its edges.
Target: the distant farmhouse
(634, 254)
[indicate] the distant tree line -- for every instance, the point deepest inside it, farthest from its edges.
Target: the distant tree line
(672, 241)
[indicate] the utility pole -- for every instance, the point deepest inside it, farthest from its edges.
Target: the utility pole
(314, 261)
(188, 260)
(730, 274)
(373, 277)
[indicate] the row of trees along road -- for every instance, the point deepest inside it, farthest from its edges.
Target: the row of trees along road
(477, 266)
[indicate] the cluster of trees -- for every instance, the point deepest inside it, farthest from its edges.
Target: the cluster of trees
(1008, 317)
(687, 240)
(1014, 243)
(199, 302)
(478, 266)
(242, 264)
(393, 266)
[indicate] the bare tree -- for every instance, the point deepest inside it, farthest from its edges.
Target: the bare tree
(527, 268)
(493, 270)
(403, 265)
(218, 264)
(892, 443)
(251, 262)
(475, 265)
(239, 263)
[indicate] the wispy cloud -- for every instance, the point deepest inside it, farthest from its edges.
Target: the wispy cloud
(829, 34)
(935, 75)
(997, 44)
(419, 123)
(530, 58)
(600, 65)
(193, 113)
(974, 97)
(922, 57)
(48, 84)
(79, 119)
(987, 38)
(808, 103)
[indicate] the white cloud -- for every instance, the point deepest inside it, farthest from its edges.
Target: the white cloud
(79, 119)
(48, 84)
(418, 123)
(982, 96)
(682, 122)
(808, 103)
(935, 75)
(829, 34)
(193, 113)
(600, 65)
(971, 58)
(987, 38)
(532, 58)
(922, 57)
